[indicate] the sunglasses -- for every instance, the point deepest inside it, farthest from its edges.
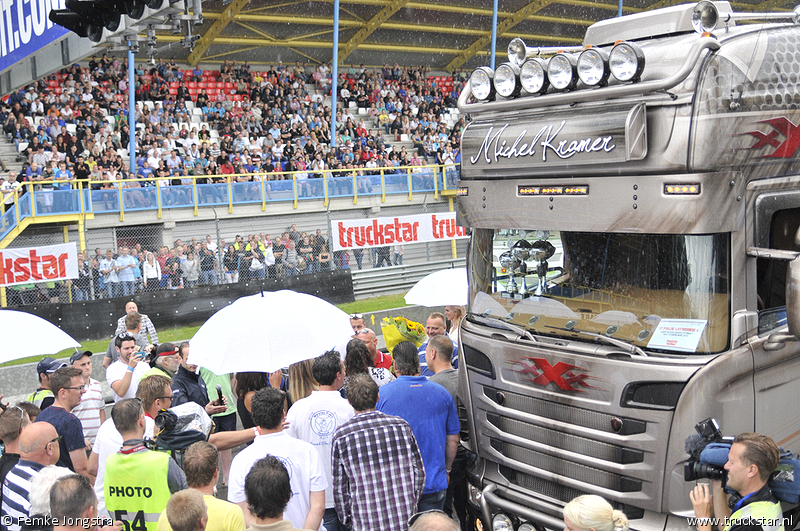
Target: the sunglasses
(79, 388)
(356, 316)
(57, 439)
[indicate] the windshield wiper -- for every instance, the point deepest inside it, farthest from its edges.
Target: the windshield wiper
(503, 325)
(630, 347)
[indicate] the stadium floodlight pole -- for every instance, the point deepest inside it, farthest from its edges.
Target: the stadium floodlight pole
(334, 71)
(494, 33)
(131, 112)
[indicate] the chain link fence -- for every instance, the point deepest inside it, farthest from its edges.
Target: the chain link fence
(126, 259)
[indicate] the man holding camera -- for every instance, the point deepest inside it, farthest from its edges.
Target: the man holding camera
(752, 507)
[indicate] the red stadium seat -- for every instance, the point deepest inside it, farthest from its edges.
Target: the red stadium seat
(173, 92)
(228, 85)
(202, 85)
(192, 92)
(58, 90)
(192, 84)
(236, 97)
(174, 84)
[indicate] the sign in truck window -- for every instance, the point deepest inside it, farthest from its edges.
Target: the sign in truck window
(24, 265)
(682, 335)
(397, 230)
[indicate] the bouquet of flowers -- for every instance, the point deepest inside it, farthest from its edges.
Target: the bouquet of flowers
(397, 329)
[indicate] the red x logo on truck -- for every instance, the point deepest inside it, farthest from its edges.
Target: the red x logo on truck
(781, 126)
(562, 374)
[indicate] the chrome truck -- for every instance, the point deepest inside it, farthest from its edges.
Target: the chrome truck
(633, 205)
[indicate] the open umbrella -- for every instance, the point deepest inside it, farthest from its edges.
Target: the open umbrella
(447, 287)
(269, 331)
(25, 334)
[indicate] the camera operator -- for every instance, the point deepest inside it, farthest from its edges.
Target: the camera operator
(751, 460)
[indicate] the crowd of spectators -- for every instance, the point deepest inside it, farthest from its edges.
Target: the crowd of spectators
(133, 269)
(372, 462)
(255, 125)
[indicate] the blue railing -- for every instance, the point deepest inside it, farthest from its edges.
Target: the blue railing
(41, 200)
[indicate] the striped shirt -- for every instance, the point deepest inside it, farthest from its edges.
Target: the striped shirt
(15, 492)
(378, 474)
(88, 411)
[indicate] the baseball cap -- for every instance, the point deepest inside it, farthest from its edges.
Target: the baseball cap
(78, 355)
(49, 365)
(166, 349)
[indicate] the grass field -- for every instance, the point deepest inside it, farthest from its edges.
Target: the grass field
(165, 334)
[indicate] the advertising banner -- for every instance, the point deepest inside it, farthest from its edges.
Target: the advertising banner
(25, 29)
(38, 264)
(398, 230)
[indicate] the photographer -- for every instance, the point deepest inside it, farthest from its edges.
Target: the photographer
(751, 460)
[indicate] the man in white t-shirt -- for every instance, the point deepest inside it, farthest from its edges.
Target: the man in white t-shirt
(92, 409)
(156, 394)
(124, 374)
(9, 189)
(314, 419)
(307, 505)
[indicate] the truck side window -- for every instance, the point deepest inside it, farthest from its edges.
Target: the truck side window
(771, 274)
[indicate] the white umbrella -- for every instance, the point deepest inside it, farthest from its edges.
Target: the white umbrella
(447, 287)
(268, 331)
(25, 334)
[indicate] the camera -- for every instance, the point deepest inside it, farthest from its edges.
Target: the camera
(708, 451)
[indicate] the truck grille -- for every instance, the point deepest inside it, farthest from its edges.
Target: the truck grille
(570, 443)
(557, 465)
(559, 492)
(562, 412)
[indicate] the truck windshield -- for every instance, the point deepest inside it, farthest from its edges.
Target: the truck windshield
(662, 292)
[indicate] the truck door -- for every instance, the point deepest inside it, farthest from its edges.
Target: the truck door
(777, 399)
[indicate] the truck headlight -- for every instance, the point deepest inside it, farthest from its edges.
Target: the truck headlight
(626, 61)
(481, 83)
(475, 494)
(561, 71)
(593, 67)
(533, 76)
(517, 51)
(505, 80)
(704, 17)
(526, 527)
(501, 522)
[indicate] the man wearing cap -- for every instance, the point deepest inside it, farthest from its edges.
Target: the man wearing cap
(166, 361)
(43, 397)
(68, 387)
(91, 411)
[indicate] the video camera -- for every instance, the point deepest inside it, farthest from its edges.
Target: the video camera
(708, 452)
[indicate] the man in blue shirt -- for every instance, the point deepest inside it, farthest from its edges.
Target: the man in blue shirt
(126, 264)
(435, 326)
(431, 412)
